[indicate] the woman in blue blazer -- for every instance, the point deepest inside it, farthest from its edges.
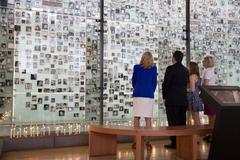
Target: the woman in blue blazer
(144, 82)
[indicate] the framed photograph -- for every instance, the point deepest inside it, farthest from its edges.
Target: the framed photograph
(46, 107)
(75, 114)
(34, 107)
(61, 113)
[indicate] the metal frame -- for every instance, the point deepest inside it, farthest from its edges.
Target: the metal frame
(101, 57)
(188, 54)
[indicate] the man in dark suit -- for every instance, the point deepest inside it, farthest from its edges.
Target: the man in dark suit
(174, 90)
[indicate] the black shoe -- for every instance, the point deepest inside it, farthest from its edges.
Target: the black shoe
(209, 140)
(149, 146)
(206, 138)
(134, 145)
(170, 146)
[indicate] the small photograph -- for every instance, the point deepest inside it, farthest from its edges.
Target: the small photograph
(34, 98)
(61, 113)
(121, 108)
(28, 86)
(46, 98)
(76, 96)
(39, 83)
(121, 100)
(46, 81)
(110, 109)
(93, 118)
(81, 108)
(52, 100)
(65, 97)
(82, 98)
(16, 80)
(76, 104)
(40, 100)
(34, 107)
(33, 76)
(37, 48)
(70, 109)
(75, 114)
(28, 29)
(115, 97)
(110, 99)
(28, 94)
(65, 81)
(115, 113)
(46, 90)
(37, 28)
(59, 81)
(53, 82)
(52, 109)
(28, 104)
(46, 107)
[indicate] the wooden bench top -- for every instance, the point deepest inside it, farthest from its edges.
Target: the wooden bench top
(155, 131)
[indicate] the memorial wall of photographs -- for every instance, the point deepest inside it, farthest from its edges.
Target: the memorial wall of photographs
(56, 63)
(135, 26)
(6, 62)
(92, 79)
(215, 31)
(50, 59)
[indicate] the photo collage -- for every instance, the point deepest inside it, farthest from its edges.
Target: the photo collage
(6, 62)
(50, 61)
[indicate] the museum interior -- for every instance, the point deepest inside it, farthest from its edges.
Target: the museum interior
(67, 64)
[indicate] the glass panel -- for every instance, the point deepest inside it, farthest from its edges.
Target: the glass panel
(6, 62)
(55, 67)
(135, 26)
(215, 31)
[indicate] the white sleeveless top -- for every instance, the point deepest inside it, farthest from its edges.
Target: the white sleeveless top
(209, 75)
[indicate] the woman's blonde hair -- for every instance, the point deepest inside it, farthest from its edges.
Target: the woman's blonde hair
(147, 60)
(209, 61)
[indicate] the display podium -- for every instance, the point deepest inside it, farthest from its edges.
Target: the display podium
(225, 100)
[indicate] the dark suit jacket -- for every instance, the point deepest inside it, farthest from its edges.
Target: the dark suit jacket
(174, 87)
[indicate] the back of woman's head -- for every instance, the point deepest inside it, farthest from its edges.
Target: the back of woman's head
(208, 61)
(194, 69)
(147, 60)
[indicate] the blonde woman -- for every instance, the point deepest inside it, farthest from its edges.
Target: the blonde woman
(144, 82)
(208, 79)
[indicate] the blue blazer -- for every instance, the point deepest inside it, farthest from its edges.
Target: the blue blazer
(144, 81)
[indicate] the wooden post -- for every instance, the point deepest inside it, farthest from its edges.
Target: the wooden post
(187, 147)
(139, 154)
(102, 144)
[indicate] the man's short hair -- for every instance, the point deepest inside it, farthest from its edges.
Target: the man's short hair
(178, 55)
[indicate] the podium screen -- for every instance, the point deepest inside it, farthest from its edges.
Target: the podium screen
(227, 96)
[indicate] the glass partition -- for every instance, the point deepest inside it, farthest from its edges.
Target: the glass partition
(215, 31)
(53, 49)
(134, 27)
(6, 62)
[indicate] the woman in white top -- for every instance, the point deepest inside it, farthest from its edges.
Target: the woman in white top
(209, 79)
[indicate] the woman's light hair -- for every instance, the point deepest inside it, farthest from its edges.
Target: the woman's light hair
(147, 60)
(209, 61)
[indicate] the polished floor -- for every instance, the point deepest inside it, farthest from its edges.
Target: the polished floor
(125, 152)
